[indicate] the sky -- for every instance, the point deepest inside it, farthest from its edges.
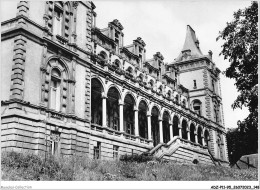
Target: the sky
(162, 25)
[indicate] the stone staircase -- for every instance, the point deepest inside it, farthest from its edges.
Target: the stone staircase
(184, 151)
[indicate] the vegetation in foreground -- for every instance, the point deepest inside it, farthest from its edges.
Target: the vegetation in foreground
(19, 166)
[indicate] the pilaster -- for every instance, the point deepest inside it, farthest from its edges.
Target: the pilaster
(17, 78)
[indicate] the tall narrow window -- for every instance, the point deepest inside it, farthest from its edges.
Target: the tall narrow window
(129, 115)
(113, 108)
(195, 84)
(59, 18)
(199, 133)
(96, 101)
(184, 129)
(192, 133)
(175, 126)
(117, 40)
(54, 138)
(97, 151)
(55, 90)
(115, 151)
(166, 127)
(57, 22)
(142, 119)
(206, 138)
(155, 126)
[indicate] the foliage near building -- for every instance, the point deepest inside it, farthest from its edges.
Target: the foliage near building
(241, 49)
(28, 167)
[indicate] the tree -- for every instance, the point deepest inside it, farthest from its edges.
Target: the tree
(241, 49)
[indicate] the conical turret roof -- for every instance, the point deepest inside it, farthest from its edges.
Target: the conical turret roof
(191, 45)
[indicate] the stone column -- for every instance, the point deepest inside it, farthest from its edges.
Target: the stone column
(104, 111)
(188, 135)
(121, 116)
(196, 137)
(180, 131)
(203, 142)
(171, 133)
(161, 130)
(136, 122)
(149, 127)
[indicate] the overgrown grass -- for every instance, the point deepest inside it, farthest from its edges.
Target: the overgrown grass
(18, 166)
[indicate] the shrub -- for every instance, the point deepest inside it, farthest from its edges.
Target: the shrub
(136, 158)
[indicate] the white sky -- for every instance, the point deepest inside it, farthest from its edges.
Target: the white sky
(162, 25)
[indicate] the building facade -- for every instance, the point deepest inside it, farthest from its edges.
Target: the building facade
(69, 87)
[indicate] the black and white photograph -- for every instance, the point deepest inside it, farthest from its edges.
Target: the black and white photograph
(113, 94)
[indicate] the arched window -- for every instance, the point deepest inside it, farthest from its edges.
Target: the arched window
(166, 127)
(184, 129)
(129, 115)
(113, 108)
(155, 126)
(175, 126)
(55, 90)
(103, 55)
(192, 132)
(117, 63)
(141, 77)
(199, 135)
(142, 119)
(206, 138)
(96, 101)
(129, 70)
(197, 106)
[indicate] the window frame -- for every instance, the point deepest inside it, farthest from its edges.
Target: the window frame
(58, 93)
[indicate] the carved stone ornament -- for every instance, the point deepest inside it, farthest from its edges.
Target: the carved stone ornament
(75, 4)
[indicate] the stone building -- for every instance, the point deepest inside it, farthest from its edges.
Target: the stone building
(69, 87)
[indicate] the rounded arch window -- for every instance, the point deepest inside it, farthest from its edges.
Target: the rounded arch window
(55, 73)
(117, 63)
(129, 70)
(103, 55)
(55, 90)
(141, 77)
